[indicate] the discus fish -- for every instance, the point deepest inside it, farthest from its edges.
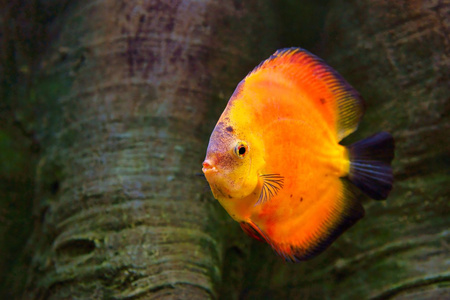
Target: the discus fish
(274, 161)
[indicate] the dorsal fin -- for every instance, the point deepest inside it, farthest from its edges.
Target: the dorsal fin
(338, 102)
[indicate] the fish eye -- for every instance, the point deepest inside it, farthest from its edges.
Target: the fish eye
(241, 149)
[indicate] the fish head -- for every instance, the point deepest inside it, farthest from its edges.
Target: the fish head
(232, 162)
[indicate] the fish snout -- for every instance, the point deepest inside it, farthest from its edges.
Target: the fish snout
(208, 167)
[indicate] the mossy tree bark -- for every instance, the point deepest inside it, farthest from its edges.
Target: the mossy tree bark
(127, 89)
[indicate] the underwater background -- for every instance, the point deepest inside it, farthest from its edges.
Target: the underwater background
(106, 108)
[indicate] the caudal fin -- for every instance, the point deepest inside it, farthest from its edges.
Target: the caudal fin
(370, 165)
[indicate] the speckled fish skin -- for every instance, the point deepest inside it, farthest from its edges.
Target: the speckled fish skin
(274, 161)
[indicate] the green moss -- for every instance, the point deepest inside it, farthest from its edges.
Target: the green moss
(16, 195)
(11, 160)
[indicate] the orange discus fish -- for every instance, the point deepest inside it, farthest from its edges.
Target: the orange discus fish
(274, 160)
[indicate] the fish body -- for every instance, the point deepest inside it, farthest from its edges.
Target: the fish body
(274, 161)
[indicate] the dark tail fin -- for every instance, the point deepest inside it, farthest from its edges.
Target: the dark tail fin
(370, 165)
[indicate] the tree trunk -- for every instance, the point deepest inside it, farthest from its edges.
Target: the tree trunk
(127, 89)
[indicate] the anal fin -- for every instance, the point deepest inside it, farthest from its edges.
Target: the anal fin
(313, 232)
(340, 214)
(252, 231)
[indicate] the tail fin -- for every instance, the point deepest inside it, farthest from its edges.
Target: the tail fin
(370, 165)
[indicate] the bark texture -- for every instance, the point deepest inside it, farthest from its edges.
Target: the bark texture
(127, 87)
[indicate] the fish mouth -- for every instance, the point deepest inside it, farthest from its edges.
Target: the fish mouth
(210, 172)
(208, 168)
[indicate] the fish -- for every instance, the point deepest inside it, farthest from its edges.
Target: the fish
(274, 159)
